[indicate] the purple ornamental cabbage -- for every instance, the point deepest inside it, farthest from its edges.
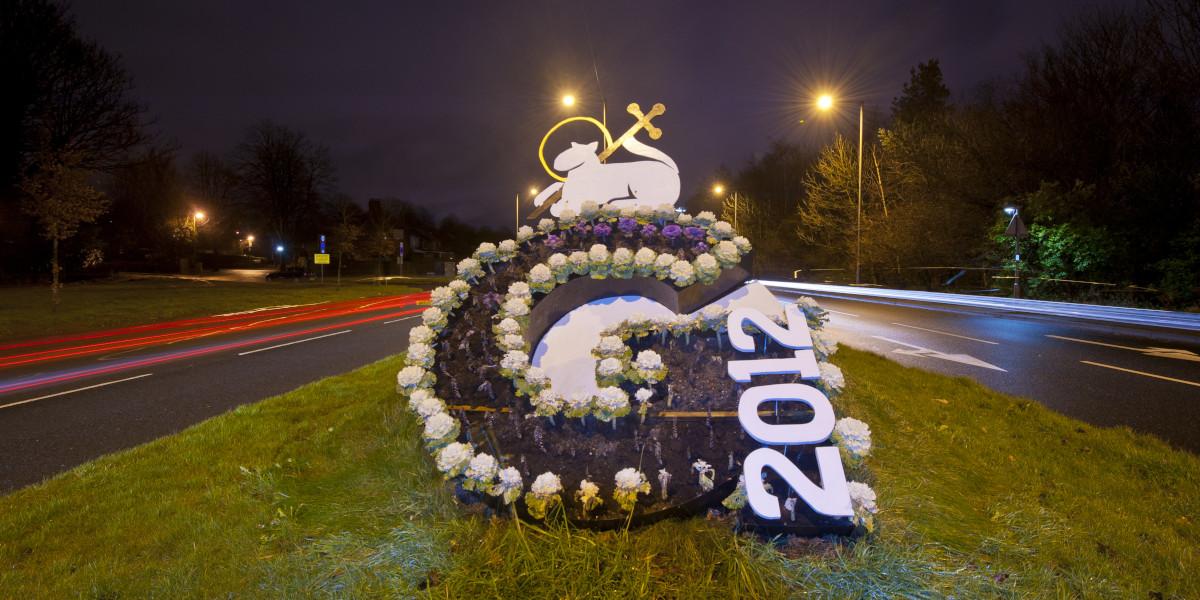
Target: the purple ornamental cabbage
(627, 225)
(553, 241)
(601, 230)
(672, 231)
(582, 228)
(694, 233)
(648, 232)
(701, 248)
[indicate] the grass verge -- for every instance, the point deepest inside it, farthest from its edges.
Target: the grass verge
(325, 491)
(25, 311)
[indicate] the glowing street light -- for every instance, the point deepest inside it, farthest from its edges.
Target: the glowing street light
(825, 103)
(568, 100)
(719, 191)
(1010, 211)
(279, 248)
(199, 215)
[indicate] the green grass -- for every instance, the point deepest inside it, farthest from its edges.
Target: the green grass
(26, 311)
(326, 492)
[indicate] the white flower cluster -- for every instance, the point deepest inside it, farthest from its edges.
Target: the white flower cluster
(610, 404)
(630, 482)
(862, 498)
(452, 459)
(832, 380)
(854, 437)
(508, 484)
(648, 368)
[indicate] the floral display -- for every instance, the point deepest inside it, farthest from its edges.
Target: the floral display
(596, 242)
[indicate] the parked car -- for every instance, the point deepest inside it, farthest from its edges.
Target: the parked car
(289, 273)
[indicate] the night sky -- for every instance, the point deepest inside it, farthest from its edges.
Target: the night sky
(444, 103)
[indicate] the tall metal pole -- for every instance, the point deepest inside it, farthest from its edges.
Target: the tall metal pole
(517, 210)
(735, 211)
(858, 222)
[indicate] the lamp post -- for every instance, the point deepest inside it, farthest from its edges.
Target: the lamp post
(533, 192)
(1016, 228)
(250, 244)
(825, 104)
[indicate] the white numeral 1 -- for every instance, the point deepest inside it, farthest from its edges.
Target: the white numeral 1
(832, 498)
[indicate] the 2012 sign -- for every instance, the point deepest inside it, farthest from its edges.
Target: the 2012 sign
(832, 496)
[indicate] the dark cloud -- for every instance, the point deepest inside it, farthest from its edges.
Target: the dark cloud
(444, 103)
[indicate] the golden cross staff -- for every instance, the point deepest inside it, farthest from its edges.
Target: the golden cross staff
(643, 122)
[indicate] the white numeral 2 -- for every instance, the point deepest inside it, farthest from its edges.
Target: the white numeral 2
(832, 500)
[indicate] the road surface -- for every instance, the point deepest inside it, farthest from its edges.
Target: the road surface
(78, 397)
(1147, 378)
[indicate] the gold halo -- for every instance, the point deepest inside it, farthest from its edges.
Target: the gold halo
(608, 141)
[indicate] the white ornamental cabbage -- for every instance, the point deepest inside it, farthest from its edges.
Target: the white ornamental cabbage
(628, 212)
(589, 496)
(546, 225)
(682, 273)
(444, 298)
(520, 289)
(486, 252)
(460, 287)
(578, 405)
(508, 326)
(705, 218)
(611, 403)
(540, 274)
(557, 261)
(453, 459)
(426, 405)
(508, 485)
(537, 376)
(568, 216)
(663, 265)
(598, 253)
(514, 361)
(854, 437)
(469, 269)
(420, 355)
(726, 253)
(547, 484)
(420, 335)
(524, 233)
(643, 261)
(410, 378)
(610, 345)
(506, 249)
(440, 428)
(579, 262)
(515, 307)
(622, 263)
(713, 315)
(643, 395)
(823, 345)
(588, 210)
(742, 243)
(665, 212)
(512, 341)
(721, 230)
(832, 380)
(547, 403)
(609, 367)
(706, 267)
(482, 468)
(648, 360)
(434, 318)
(630, 482)
(862, 497)
(683, 219)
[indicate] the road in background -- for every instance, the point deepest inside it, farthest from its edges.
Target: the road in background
(69, 399)
(1147, 378)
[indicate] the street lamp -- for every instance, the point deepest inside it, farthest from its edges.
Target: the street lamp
(533, 192)
(568, 100)
(718, 190)
(1016, 228)
(250, 244)
(825, 103)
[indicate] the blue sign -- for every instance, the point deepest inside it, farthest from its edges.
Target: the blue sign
(322, 243)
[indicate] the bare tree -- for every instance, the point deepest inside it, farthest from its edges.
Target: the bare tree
(59, 197)
(346, 231)
(283, 176)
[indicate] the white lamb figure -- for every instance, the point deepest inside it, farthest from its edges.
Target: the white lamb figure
(640, 183)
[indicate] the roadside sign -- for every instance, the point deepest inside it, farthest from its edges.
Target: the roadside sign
(322, 243)
(321, 259)
(400, 248)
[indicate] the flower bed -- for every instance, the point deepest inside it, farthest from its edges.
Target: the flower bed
(496, 423)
